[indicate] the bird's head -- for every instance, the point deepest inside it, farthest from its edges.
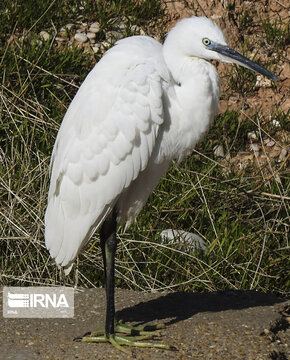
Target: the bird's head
(200, 37)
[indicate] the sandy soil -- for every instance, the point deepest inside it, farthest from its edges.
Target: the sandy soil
(221, 325)
(226, 14)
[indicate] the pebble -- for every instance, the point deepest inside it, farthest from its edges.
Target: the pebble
(254, 147)
(218, 151)
(91, 35)
(275, 123)
(252, 135)
(95, 27)
(121, 26)
(60, 39)
(270, 143)
(81, 37)
(113, 36)
(69, 26)
(96, 48)
(283, 154)
(44, 35)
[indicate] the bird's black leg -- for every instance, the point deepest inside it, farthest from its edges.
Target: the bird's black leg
(108, 242)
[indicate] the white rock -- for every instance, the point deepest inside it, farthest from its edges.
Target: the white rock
(276, 123)
(193, 241)
(254, 147)
(44, 35)
(283, 154)
(121, 26)
(113, 36)
(59, 38)
(95, 27)
(91, 35)
(218, 151)
(252, 135)
(69, 26)
(96, 48)
(270, 143)
(81, 37)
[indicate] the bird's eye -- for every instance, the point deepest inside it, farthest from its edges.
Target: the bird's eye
(206, 41)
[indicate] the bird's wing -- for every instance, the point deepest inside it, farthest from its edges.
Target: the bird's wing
(105, 141)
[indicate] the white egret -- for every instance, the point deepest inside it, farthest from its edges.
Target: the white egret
(143, 105)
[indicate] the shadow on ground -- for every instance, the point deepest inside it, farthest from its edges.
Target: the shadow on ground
(180, 306)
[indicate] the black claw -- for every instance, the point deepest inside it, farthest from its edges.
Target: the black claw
(173, 348)
(80, 338)
(150, 328)
(87, 334)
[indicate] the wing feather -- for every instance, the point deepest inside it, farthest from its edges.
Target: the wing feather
(105, 141)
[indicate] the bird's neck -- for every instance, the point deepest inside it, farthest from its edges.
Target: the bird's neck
(192, 101)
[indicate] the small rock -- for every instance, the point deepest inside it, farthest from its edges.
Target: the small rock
(96, 48)
(275, 123)
(121, 26)
(283, 154)
(254, 147)
(218, 151)
(113, 36)
(69, 26)
(44, 35)
(263, 82)
(95, 27)
(270, 143)
(105, 45)
(91, 35)
(81, 37)
(60, 39)
(252, 135)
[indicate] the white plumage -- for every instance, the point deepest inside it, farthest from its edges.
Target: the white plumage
(141, 106)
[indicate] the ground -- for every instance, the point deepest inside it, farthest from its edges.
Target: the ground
(225, 325)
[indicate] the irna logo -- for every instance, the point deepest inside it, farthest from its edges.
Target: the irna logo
(38, 302)
(34, 300)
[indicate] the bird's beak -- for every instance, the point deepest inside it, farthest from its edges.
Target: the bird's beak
(233, 56)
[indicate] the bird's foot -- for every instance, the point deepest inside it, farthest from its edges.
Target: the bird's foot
(134, 336)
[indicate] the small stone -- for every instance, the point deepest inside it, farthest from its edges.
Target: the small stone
(81, 37)
(113, 36)
(218, 151)
(283, 154)
(95, 27)
(91, 35)
(252, 135)
(96, 48)
(60, 39)
(44, 35)
(276, 123)
(69, 26)
(263, 82)
(121, 26)
(254, 147)
(105, 45)
(270, 143)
